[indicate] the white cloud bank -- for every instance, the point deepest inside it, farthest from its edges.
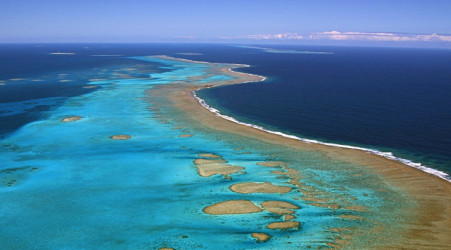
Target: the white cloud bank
(280, 36)
(349, 36)
(379, 36)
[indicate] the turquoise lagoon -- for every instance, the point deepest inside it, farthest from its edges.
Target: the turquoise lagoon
(68, 185)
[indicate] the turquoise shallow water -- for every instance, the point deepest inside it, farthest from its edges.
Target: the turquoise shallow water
(70, 186)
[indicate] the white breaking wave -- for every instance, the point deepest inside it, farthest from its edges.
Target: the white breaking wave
(62, 53)
(387, 155)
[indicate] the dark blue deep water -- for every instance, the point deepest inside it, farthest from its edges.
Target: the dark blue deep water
(396, 100)
(23, 99)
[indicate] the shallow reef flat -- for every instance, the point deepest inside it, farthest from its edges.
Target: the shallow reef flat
(147, 167)
(388, 203)
(253, 187)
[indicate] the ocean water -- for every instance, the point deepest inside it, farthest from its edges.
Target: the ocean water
(69, 185)
(388, 99)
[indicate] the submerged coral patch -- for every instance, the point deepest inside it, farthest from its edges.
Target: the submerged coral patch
(11, 176)
(121, 137)
(272, 164)
(254, 187)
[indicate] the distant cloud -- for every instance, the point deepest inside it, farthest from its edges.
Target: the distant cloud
(280, 36)
(379, 36)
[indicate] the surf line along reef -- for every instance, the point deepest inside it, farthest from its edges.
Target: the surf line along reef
(156, 169)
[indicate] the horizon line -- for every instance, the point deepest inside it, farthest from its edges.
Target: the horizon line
(368, 44)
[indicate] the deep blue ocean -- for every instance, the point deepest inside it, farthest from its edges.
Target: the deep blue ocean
(390, 99)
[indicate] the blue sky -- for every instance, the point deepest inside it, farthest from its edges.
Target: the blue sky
(250, 21)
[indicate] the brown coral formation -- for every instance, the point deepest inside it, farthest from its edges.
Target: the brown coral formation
(279, 207)
(232, 207)
(283, 225)
(261, 237)
(209, 155)
(209, 167)
(272, 164)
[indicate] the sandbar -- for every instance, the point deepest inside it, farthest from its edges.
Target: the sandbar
(283, 225)
(232, 207)
(121, 137)
(71, 119)
(254, 187)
